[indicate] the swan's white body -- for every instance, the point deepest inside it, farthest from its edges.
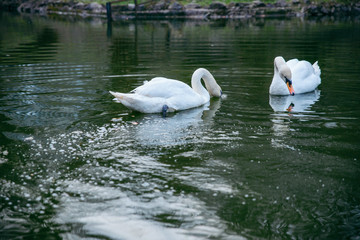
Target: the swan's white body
(159, 92)
(304, 76)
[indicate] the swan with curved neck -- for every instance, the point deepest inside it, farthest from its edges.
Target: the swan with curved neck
(294, 76)
(168, 95)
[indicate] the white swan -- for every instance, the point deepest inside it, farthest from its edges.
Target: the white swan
(294, 76)
(168, 95)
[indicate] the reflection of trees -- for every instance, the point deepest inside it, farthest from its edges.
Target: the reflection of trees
(46, 37)
(206, 44)
(23, 55)
(42, 49)
(124, 51)
(44, 78)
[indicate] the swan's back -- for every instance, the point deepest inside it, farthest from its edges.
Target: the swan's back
(306, 77)
(302, 70)
(163, 88)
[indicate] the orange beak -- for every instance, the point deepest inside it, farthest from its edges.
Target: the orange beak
(290, 87)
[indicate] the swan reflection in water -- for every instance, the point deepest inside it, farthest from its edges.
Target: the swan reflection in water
(287, 107)
(177, 128)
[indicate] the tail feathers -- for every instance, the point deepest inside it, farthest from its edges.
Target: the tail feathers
(139, 102)
(127, 99)
(118, 95)
(316, 68)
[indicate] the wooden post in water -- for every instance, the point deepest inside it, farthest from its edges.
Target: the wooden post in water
(108, 8)
(108, 11)
(136, 7)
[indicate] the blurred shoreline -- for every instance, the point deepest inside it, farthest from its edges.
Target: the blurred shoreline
(175, 10)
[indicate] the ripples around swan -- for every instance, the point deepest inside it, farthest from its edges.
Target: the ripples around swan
(125, 175)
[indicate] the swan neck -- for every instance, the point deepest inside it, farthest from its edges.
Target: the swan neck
(278, 63)
(204, 74)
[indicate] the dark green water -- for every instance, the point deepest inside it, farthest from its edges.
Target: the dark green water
(75, 164)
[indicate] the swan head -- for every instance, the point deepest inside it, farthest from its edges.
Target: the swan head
(284, 73)
(214, 90)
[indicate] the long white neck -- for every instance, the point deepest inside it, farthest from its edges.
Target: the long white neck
(277, 86)
(278, 63)
(199, 74)
(211, 86)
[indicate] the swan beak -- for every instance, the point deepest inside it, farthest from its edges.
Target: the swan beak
(290, 87)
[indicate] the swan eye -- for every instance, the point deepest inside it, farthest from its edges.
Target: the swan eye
(288, 81)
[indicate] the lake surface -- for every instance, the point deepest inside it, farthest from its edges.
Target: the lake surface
(76, 164)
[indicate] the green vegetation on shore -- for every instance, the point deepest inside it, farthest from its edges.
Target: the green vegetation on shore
(211, 9)
(208, 2)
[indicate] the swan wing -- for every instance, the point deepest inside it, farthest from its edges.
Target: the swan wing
(316, 68)
(302, 70)
(140, 103)
(305, 77)
(186, 101)
(292, 63)
(164, 88)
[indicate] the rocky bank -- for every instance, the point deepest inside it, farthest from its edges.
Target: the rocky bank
(172, 9)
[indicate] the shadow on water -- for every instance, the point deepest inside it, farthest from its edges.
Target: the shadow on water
(43, 48)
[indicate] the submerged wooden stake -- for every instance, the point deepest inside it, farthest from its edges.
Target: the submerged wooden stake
(108, 11)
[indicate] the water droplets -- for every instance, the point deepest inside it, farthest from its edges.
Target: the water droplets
(3, 155)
